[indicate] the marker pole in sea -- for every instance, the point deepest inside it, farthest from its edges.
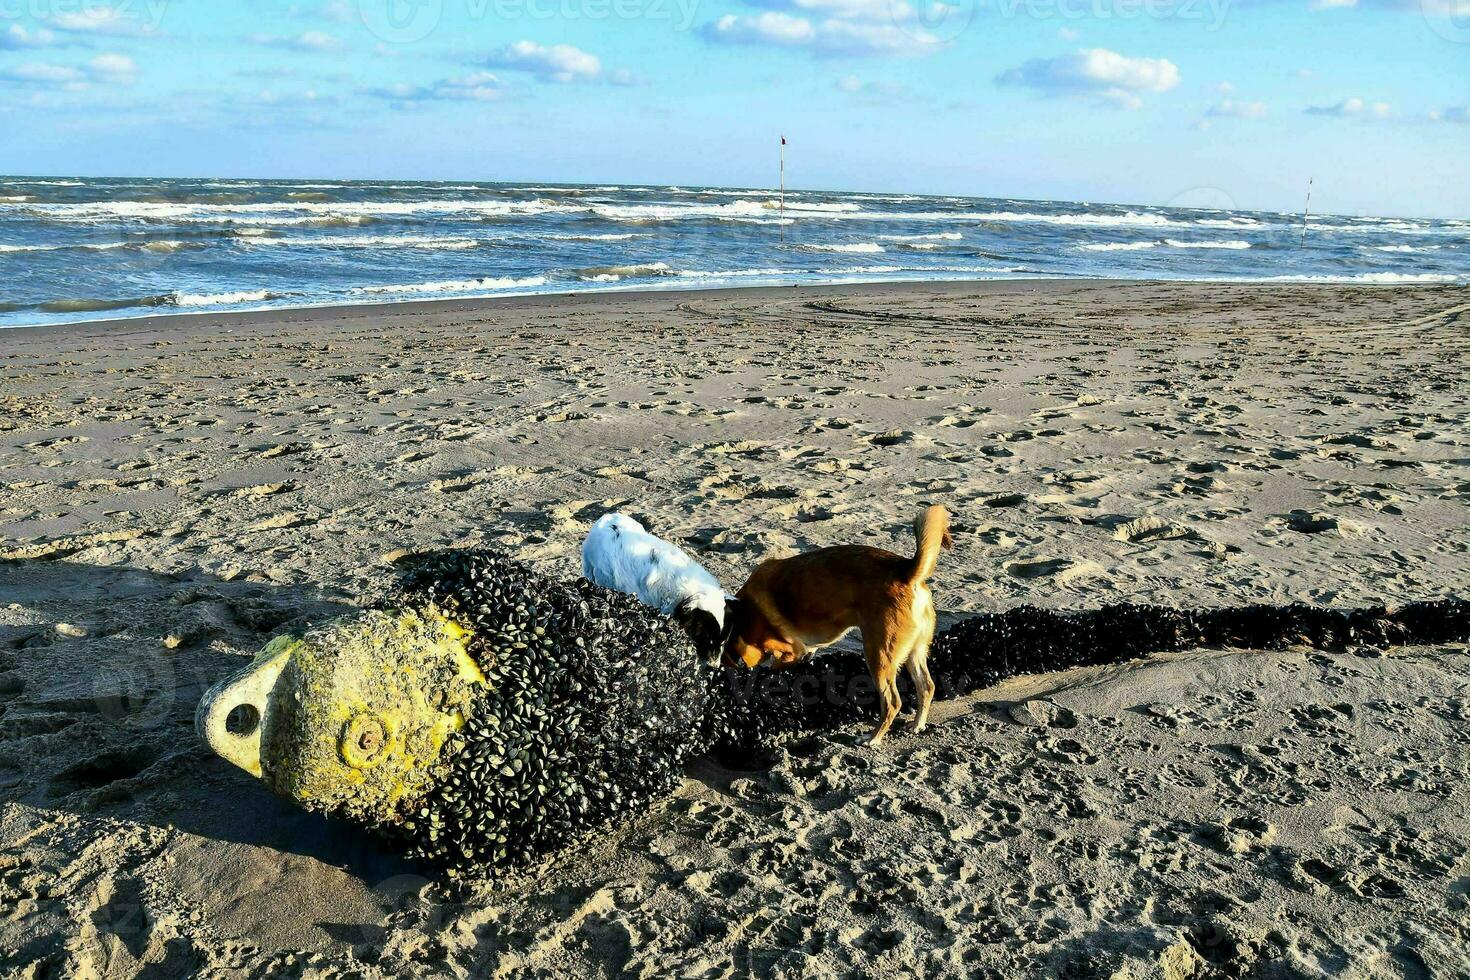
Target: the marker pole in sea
(1305, 210)
(781, 206)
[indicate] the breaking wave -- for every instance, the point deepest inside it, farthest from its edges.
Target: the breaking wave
(855, 248)
(614, 273)
(454, 286)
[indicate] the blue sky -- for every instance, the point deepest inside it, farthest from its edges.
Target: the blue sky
(1207, 102)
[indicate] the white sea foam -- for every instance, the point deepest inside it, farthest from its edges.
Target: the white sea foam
(859, 248)
(222, 299)
(1117, 246)
(370, 241)
(1130, 219)
(1402, 248)
(1383, 278)
(614, 237)
(1236, 245)
(158, 246)
(455, 286)
(938, 236)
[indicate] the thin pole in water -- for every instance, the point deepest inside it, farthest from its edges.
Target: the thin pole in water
(783, 179)
(1305, 210)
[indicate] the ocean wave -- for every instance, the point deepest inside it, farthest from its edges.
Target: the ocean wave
(1233, 245)
(1236, 245)
(370, 241)
(285, 212)
(1117, 246)
(857, 248)
(1379, 278)
(454, 286)
(1130, 219)
(225, 299)
(610, 237)
(613, 273)
(174, 299)
(749, 209)
(738, 273)
(937, 236)
(878, 270)
(1401, 248)
(155, 247)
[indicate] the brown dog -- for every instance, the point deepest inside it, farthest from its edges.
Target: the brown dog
(791, 607)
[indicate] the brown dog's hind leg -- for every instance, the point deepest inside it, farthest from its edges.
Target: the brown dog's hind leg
(918, 666)
(883, 660)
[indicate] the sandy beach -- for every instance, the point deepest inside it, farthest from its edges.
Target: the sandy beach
(174, 491)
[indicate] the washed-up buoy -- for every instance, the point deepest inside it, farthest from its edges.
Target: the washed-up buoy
(486, 714)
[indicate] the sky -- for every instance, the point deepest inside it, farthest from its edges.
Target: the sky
(1215, 103)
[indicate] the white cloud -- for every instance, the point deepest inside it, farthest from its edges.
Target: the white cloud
(874, 90)
(305, 41)
(1096, 72)
(270, 98)
(767, 28)
(105, 69)
(830, 38)
(1352, 108)
(1068, 33)
(15, 37)
(480, 86)
(557, 63)
(112, 67)
(1452, 114)
(34, 73)
(1235, 109)
(1332, 4)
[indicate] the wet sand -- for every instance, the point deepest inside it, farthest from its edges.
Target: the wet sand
(174, 491)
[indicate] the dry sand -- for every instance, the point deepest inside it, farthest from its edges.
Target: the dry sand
(174, 491)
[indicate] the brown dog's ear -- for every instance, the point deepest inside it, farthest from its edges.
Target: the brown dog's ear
(734, 610)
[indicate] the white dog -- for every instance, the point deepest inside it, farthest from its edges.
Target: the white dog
(620, 555)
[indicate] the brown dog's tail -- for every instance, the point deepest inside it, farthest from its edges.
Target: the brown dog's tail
(932, 530)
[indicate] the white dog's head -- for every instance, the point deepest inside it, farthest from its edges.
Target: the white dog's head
(703, 617)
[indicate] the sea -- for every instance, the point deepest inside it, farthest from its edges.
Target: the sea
(87, 249)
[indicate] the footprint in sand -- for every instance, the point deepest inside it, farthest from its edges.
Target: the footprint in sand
(1311, 522)
(1059, 570)
(893, 437)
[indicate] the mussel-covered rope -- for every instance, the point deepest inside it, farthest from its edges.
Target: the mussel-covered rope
(595, 703)
(984, 649)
